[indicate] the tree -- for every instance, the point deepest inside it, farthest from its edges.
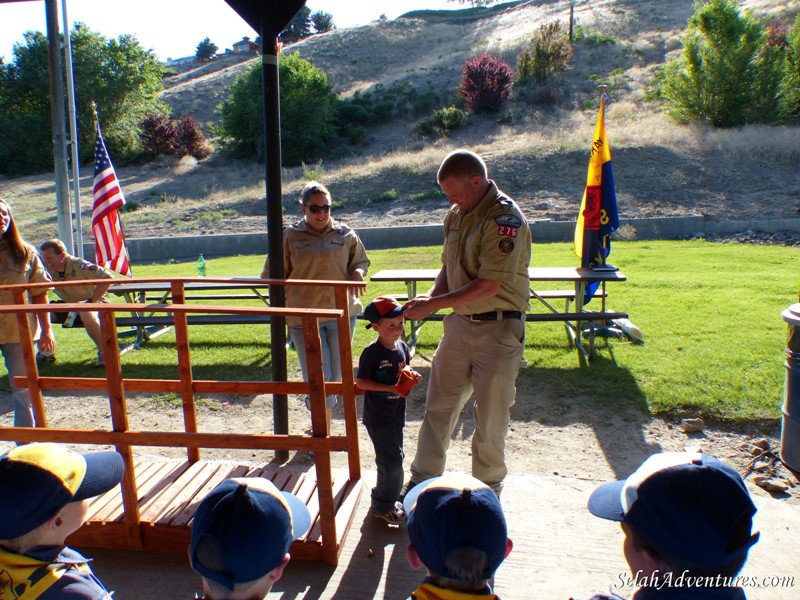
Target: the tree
(206, 50)
(322, 21)
(308, 107)
(119, 75)
(298, 28)
(726, 74)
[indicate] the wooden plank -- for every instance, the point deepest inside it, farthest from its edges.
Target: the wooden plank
(189, 489)
(351, 496)
(149, 512)
(224, 473)
(98, 504)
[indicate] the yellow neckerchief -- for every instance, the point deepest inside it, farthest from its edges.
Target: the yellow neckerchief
(26, 578)
(429, 591)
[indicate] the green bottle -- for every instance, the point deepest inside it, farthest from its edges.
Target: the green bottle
(201, 266)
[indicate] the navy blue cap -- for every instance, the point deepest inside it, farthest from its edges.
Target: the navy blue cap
(38, 480)
(686, 504)
(243, 528)
(455, 511)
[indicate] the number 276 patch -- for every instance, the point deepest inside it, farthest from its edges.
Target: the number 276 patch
(507, 231)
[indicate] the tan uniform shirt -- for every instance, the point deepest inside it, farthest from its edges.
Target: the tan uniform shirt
(78, 269)
(492, 241)
(30, 271)
(332, 254)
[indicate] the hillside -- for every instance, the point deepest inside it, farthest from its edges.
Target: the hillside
(536, 154)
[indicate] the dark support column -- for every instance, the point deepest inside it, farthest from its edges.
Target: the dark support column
(272, 128)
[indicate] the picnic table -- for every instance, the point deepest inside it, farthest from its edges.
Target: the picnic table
(574, 315)
(147, 325)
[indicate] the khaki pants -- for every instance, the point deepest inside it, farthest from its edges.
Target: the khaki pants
(483, 357)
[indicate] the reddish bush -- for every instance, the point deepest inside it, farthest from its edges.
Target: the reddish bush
(190, 138)
(158, 134)
(486, 83)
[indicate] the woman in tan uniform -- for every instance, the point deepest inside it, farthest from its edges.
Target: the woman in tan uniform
(19, 263)
(318, 247)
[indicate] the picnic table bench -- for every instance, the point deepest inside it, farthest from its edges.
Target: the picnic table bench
(573, 317)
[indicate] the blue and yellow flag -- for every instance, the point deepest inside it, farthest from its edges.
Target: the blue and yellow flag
(598, 216)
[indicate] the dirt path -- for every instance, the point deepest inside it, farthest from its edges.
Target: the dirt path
(546, 437)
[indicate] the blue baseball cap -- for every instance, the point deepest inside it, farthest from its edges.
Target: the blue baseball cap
(243, 528)
(383, 307)
(38, 480)
(686, 504)
(455, 511)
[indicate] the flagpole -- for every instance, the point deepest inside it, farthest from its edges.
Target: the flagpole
(73, 134)
(603, 88)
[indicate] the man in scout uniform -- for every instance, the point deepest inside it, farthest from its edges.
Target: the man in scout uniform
(484, 279)
(64, 267)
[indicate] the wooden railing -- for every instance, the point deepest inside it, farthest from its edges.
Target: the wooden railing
(320, 442)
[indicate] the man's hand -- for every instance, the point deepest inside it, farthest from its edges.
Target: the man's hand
(418, 308)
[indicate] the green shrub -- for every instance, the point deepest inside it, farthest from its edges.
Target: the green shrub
(308, 112)
(549, 52)
(727, 74)
(442, 122)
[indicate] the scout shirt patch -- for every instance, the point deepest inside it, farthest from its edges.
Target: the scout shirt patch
(87, 266)
(505, 245)
(508, 225)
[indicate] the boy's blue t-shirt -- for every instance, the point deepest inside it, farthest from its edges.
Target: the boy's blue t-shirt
(380, 364)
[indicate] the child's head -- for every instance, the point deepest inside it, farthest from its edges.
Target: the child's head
(681, 511)
(457, 531)
(385, 316)
(44, 492)
(241, 535)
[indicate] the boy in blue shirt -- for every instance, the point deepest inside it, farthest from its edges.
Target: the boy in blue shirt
(386, 378)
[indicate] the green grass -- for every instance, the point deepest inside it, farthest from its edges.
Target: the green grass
(710, 313)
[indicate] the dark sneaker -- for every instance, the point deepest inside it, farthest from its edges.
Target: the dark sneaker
(396, 516)
(45, 359)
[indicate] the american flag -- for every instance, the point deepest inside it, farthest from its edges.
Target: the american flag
(110, 250)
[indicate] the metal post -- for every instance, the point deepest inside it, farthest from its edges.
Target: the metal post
(790, 424)
(272, 122)
(58, 118)
(73, 134)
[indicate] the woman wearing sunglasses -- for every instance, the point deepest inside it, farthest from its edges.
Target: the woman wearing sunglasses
(318, 247)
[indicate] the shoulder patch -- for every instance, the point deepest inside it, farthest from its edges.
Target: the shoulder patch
(87, 266)
(506, 245)
(508, 220)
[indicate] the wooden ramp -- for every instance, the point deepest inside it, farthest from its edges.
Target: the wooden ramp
(170, 490)
(153, 507)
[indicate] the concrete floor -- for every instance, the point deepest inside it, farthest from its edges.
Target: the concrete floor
(560, 550)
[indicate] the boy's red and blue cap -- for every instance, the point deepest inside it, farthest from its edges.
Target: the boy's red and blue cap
(38, 480)
(455, 511)
(384, 307)
(685, 504)
(243, 528)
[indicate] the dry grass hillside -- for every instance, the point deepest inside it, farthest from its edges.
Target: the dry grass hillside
(537, 154)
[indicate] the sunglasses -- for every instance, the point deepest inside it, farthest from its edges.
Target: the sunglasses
(318, 208)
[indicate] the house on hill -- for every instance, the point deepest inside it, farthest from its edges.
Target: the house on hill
(245, 46)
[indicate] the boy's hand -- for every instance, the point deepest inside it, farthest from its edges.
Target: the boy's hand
(406, 380)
